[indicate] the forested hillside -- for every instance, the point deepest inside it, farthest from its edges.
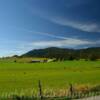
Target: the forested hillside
(64, 53)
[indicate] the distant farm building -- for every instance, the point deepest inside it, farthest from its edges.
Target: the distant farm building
(36, 61)
(51, 60)
(41, 61)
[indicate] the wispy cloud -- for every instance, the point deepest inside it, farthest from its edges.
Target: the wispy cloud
(69, 42)
(60, 42)
(27, 46)
(52, 35)
(48, 34)
(83, 26)
(87, 26)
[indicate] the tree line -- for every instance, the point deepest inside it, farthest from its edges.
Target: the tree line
(65, 54)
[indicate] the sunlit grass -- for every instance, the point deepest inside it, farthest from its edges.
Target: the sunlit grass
(55, 75)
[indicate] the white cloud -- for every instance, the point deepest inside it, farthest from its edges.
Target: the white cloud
(88, 27)
(58, 19)
(69, 42)
(63, 42)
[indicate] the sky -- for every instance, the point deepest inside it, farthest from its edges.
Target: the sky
(35, 24)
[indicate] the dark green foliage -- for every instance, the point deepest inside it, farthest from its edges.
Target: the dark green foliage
(15, 56)
(93, 57)
(66, 54)
(15, 61)
(95, 89)
(71, 57)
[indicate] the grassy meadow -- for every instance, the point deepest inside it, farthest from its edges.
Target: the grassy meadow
(16, 76)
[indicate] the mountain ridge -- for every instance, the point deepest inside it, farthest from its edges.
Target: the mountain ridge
(55, 52)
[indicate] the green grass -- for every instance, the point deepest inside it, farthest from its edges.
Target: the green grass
(55, 75)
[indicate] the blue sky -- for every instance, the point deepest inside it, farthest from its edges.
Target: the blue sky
(33, 24)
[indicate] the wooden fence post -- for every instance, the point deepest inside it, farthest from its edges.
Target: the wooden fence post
(40, 90)
(71, 90)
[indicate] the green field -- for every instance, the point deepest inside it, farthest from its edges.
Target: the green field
(55, 75)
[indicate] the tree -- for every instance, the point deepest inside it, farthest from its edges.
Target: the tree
(93, 57)
(71, 57)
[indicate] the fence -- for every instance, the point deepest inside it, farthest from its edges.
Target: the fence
(67, 94)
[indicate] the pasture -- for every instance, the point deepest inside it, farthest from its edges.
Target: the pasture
(54, 75)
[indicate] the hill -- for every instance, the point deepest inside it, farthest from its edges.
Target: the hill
(54, 52)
